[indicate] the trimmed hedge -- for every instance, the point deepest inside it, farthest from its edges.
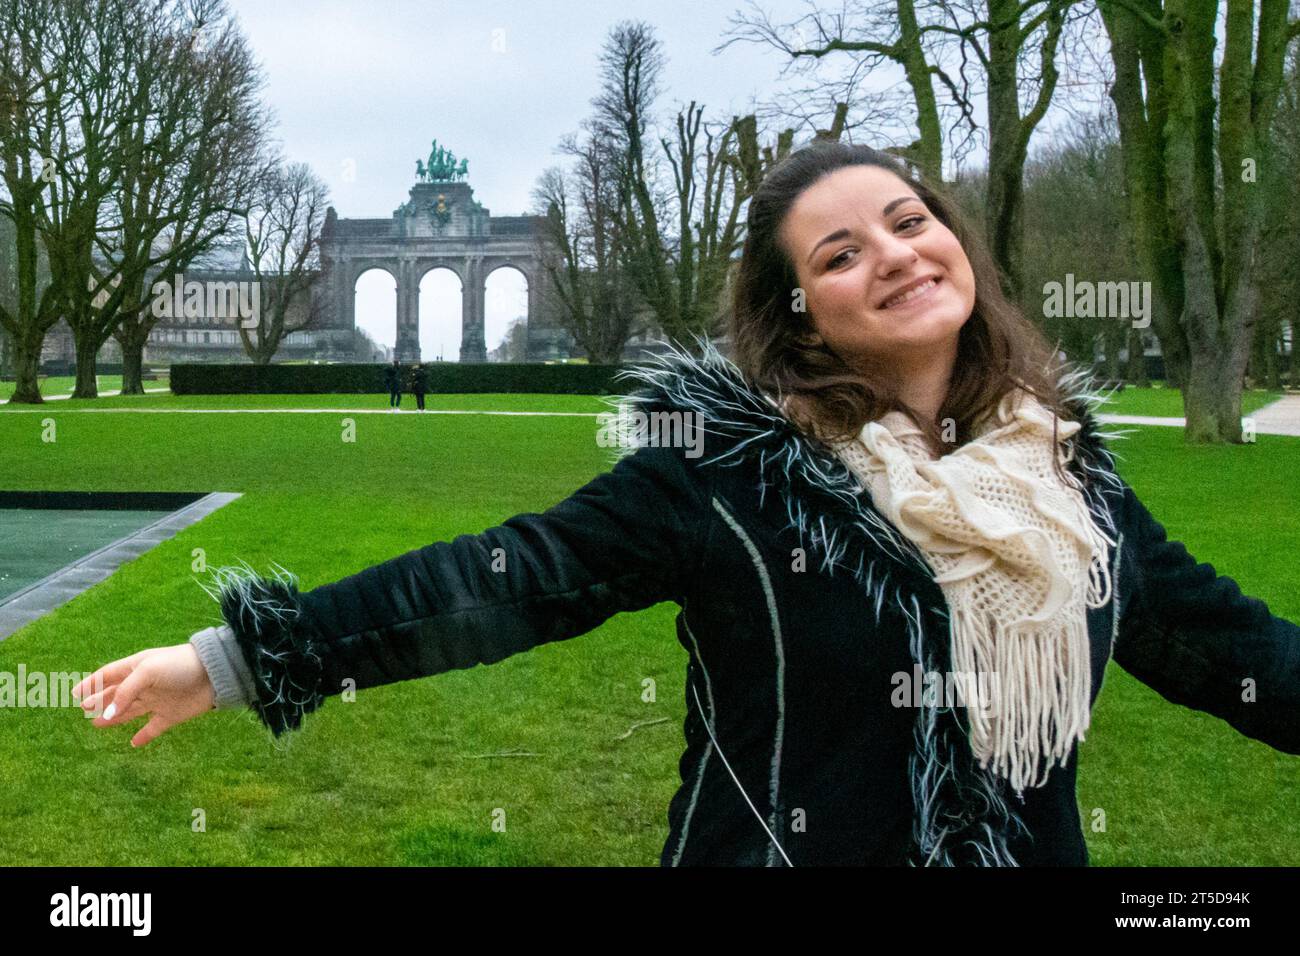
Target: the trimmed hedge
(444, 377)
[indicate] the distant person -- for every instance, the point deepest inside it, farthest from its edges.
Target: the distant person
(393, 381)
(419, 384)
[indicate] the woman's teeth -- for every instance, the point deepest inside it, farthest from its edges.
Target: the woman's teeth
(911, 294)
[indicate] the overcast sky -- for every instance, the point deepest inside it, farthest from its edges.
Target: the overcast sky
(373, 82)
(361, 88)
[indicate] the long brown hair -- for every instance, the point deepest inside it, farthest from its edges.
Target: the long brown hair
(999, 349)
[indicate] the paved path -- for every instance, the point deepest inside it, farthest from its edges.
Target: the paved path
(38, 599)
(118, 391)
(303, 411)
(1279, 418)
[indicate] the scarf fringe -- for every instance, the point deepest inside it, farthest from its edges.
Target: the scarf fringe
(1020, 561)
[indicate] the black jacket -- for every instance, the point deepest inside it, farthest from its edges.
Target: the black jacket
(799, 604)
(392, 378)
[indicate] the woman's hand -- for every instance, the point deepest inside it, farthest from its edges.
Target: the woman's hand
(168, 683)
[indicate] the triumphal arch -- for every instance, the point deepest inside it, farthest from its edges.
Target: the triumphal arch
(441, 225)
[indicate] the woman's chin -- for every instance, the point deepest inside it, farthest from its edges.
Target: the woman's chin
(932, 328)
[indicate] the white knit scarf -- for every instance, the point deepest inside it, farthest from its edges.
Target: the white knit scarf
(1016, 553)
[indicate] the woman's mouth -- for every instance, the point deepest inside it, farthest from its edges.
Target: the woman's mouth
(915, 294)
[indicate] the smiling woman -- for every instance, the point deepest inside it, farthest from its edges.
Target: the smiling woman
(895, 284)
(898, 478)
(863, 289)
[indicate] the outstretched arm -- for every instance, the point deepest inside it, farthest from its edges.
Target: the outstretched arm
(1191, 634)
(626, 540)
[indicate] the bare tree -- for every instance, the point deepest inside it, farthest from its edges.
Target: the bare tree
(874, 34)
(96, 43)
(675, 237)
(596, 298)
(31, 87)
(8, 290)
(190, 164)
(1076, 222)
(1278, 308)
(1011, 46)
(1197, 163)
(631, 68)
(283, 239)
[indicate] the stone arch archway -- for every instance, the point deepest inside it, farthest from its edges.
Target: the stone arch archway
(440, 323)
(503, 281)
(387, 322)
(440, 226)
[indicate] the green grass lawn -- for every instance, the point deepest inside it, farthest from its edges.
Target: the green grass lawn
(1168, 402)
(482, 402)
(400, 776)
(1155, 401)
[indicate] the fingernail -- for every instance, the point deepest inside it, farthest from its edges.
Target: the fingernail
(110, 711)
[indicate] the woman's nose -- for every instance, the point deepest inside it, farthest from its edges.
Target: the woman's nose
(894, 253)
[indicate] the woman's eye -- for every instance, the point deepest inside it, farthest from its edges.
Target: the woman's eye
(910, 223)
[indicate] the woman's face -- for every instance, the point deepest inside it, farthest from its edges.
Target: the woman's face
(860, 240)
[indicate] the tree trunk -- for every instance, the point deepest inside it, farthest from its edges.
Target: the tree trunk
(264, 350)
(87, 349)
(27, 362)
(1003, 214)
(1003, 188)
(1269, 377)
(1136, 373)
(926, 152)
(132, 359)
(1212, 399)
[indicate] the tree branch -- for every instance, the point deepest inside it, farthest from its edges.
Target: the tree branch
(1141, 15)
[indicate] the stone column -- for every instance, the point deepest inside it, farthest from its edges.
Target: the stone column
(546, 340)
(535, 348)
(345, 296)
(472, 346)
(413, 308)
(408, 302)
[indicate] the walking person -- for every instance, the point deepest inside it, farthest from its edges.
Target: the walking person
(419, 384)
(898, 480)
(393, 382)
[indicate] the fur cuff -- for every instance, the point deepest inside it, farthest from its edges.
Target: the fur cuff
(279, 643)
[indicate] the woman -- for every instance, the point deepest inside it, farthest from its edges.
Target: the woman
(900, 494)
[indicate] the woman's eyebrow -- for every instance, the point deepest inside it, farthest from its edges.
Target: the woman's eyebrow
(837, 234)
(894, 204)
(844, 233)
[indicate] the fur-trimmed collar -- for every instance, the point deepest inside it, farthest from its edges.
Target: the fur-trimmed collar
(749, 427)
(962, 816)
